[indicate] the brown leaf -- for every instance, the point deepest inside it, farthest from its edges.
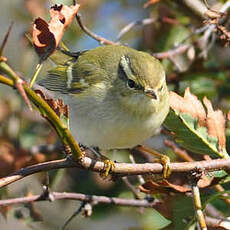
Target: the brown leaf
(215, 124)
(164, 186)
(188, 104)
(43, 39)
(152, 187)
(14, 158)
(214, 121)
(57, 105)
(47, 36)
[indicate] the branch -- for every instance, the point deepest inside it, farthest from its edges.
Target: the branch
(81, 197)
(98, 38)
(2, 47)
(119, 169)
(131, 25)
(211, 28)
(197, 6)
(169, 53)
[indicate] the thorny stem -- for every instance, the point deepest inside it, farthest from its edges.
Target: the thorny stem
(5, 39)
(44, 108)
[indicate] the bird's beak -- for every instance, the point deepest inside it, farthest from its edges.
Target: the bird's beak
(151, 93)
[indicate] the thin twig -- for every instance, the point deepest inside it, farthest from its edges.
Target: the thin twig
(98, 38)
(212, 211)
(180, 152)
(131, 187)
(74, 215)
(195, 176)
(131, 25)
(82, 197)
(3, 45)
(18, 83)
(197, 6)
(169, 53)
(211, 28)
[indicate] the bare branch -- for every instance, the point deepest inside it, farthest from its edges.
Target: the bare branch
(120, 169)
(98, 38)
(197, 6)
(82, 197)
(167, 54)
(131, 25)
(194, 178)
(183, 154)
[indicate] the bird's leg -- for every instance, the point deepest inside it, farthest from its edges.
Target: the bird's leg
(164, 160)
(109, 164)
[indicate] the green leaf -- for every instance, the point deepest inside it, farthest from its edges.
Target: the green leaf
(191, 136)
(153, 220)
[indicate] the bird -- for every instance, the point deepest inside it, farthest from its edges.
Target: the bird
(117, 95)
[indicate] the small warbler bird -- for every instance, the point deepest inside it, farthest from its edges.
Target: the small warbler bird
(117, 96)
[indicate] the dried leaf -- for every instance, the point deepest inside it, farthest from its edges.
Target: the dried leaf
(47, 36)
(188, 104)
(151, 187)
(164, 186)
(194, 129)
(14, 158)
(215, 123)
(43, 39)
(57, 105)
(220, 20)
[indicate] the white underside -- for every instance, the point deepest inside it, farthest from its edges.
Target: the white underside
(110, 130)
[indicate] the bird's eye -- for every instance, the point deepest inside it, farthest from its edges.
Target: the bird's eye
(131, 84)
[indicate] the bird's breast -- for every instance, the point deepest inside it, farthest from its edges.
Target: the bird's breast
(94, 126)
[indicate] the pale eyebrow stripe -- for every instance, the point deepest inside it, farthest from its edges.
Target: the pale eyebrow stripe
(124, 62)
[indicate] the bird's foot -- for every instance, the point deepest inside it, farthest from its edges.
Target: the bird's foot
(164, 160)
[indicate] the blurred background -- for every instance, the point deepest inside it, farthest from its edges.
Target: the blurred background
(205, 67)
